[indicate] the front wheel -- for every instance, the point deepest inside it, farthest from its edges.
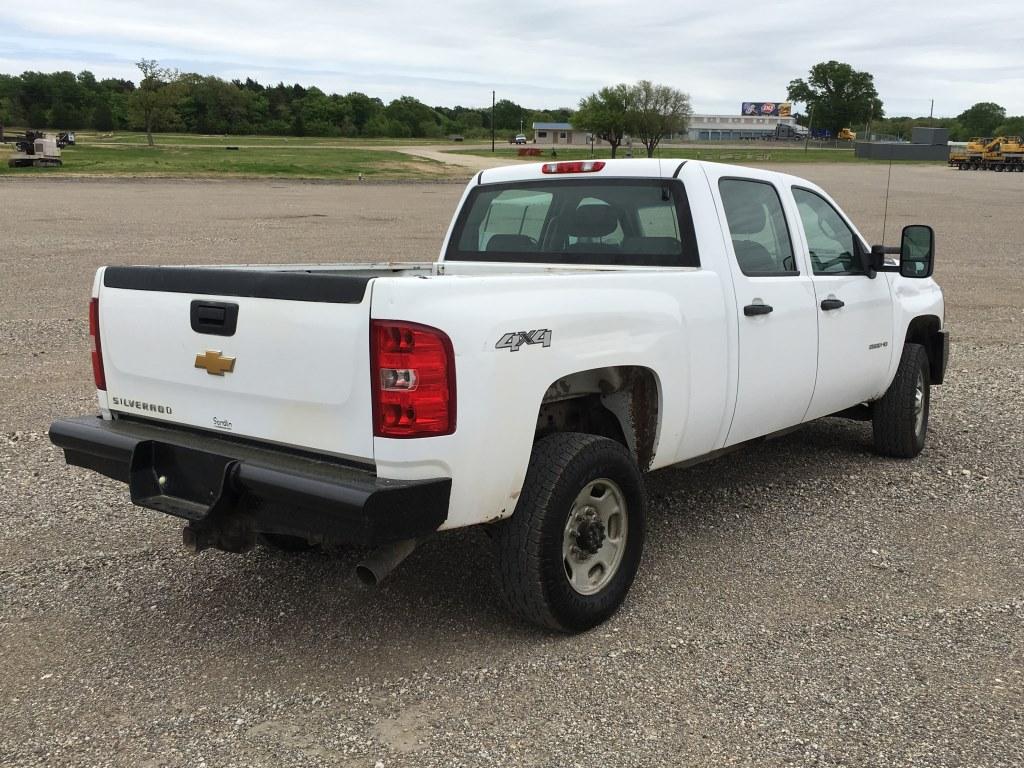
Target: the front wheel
(900, 418)
(569, 553)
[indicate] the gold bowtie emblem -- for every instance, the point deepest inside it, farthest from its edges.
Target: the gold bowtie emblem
(215, 363)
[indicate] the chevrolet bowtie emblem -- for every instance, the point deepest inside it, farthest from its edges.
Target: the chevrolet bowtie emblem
(215, 363)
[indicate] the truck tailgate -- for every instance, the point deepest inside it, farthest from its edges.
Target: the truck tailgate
(293, 370)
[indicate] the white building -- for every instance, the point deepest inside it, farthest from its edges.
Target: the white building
(734, 127)
(558, 133)
(700, 128)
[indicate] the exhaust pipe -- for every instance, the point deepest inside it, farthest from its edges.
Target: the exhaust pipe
(381, 562)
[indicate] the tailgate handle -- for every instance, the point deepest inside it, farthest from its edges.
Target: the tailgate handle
(214, 317)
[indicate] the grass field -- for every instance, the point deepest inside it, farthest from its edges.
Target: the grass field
(757, 154)
(85, 138)
(329, 162)
(192, 156)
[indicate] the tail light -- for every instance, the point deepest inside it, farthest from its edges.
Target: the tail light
(584, 166)
(412, 371)
(97, 351)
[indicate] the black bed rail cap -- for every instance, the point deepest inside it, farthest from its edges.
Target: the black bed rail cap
(254, 283)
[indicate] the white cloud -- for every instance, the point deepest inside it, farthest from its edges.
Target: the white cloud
(539, 53)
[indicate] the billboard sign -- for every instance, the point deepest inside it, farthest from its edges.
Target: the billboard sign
(766, 109)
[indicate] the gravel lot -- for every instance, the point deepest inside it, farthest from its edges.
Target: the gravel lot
(800, 603)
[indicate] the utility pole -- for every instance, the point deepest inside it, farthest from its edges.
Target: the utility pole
(492, 121)
(931, 110)
(810, 129)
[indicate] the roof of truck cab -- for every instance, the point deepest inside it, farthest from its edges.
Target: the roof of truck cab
(641, 168)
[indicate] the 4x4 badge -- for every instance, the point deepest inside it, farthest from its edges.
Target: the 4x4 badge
(516, 339)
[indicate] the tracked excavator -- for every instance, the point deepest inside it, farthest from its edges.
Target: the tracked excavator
(32, 149)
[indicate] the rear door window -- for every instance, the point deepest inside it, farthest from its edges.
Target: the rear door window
(757, 226)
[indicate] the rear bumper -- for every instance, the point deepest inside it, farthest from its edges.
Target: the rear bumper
(223, 485)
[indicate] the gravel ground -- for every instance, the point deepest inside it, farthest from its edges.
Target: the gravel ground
(803, 602)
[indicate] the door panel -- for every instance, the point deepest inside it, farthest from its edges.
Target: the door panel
(775, 304)
(778, 355)
(854, 311)
(855, 342)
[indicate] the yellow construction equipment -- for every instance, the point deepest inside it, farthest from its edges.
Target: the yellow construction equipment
(965, 155)
(1003, 153)
(846, 134)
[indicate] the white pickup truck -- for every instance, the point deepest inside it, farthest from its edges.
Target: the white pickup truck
(586, 322)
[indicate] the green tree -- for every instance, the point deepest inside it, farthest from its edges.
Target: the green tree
(153, 101)
(839, 95)
(1012, 126)
(362, 108)
(103, 116)
(657, 111)
(982, 119)
(507, 116)
(606, 114)
(409, 116)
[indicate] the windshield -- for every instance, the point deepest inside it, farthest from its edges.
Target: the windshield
(625, 222)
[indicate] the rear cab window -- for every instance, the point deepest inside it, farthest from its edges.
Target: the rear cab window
(624, 222)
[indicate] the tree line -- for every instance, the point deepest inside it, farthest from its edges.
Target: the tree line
(172, 101)
(834, 94)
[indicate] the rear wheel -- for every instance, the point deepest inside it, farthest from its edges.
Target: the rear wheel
(900, 418)
(568, 555)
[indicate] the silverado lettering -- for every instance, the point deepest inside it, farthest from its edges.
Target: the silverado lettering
(141, 406)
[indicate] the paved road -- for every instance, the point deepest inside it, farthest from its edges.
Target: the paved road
(801, 603)
(444, 155)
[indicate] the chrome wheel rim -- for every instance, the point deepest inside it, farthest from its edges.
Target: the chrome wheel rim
(919, 404)
(594, 539)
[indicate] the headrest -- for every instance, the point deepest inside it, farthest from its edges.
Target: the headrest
(510, 243)
(658, 246)
(593, 221)
(745, 218)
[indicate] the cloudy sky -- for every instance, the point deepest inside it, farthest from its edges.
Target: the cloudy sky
(539, 54)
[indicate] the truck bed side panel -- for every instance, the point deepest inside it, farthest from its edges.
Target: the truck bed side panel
(671, 322)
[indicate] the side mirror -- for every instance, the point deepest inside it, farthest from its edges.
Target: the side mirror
(917, 251)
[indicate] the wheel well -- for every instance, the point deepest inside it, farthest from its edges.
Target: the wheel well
(618, 402)
(924, 330)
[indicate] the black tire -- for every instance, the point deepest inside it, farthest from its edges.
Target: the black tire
(900, 418)
(285, 543)
(531, 565)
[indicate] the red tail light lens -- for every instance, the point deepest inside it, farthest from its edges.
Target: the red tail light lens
(412, 372)
(97, 351)
(583, 166)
